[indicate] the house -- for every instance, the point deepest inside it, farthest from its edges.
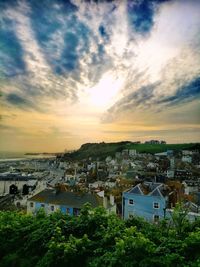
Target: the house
(148, 200)
(170, 173)
(152, 142)
(183, 174)
(132, 152)
(161, 154)
(168, 153)
(13, 183)
(187, 152)
(155, 201)
(187, 159)
(192, 211)
(191, 186)
(152, 165)
(67, 202)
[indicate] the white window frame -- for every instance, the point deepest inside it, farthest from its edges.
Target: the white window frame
(31, 204)
(156, 207)
(131, 204)
(130, 215)
(52, 207)
(158, 218)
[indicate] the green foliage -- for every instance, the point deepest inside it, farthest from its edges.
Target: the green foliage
(179, 219)
(96, 239)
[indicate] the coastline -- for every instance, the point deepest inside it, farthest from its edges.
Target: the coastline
(18, 156)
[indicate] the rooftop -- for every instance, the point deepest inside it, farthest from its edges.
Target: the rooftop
(150, 188)
(72, 199)
(15, 177)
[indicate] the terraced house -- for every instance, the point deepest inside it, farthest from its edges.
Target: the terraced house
(67, 202)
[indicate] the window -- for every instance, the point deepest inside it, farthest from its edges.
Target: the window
(31, 204)
(52, 208)
(42, 205)
(68, 210)
(131, 202)
(156, 218)
(130, 215)
(156, 205)
(76, 211)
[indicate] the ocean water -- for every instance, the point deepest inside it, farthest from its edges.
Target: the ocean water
(14, 156)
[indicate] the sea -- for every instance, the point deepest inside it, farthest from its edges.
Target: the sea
(17, 156)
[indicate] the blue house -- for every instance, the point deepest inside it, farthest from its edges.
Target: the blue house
(148, 200)
(67, 202)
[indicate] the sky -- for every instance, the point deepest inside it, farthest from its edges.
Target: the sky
(73, 72)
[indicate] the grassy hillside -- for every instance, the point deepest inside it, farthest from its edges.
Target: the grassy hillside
(102, 150)
(148, 148)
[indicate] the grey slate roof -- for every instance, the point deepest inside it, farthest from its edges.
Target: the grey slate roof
(151, 189)
(70, 199)
(156, 192)
(12, 177)
(136, 190)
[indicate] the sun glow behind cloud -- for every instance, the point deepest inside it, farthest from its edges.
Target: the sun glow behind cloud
(106, 91)
(86, 71)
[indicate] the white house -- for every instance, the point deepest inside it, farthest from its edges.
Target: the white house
(187, 158)
(7, 182)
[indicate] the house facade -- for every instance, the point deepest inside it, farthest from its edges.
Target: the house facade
(147, 200)
(67, 202)
(13, 183)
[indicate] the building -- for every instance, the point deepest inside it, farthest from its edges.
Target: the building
(191, 186)
(14, 183)
(148, 200)
(187, 152)
(152, 142)
(156, 201)
(155, 142)
(187, 158)
(67, 202)
(183, 174)
(132, 152)
(170, 173)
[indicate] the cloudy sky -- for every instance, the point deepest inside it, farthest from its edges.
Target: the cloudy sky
(77, 71)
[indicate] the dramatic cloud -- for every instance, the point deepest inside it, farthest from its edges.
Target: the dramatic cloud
(19, 101)
(187, 92)
(87, 62)
(141, 14)
(56, 48)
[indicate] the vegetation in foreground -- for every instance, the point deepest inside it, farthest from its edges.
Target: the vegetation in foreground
(96, 239)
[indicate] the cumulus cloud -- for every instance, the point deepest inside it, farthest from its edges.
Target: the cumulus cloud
(179, 83)
(62, 48)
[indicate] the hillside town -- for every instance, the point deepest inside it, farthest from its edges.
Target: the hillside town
(130, 183)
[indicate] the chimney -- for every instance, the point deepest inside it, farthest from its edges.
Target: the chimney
(112, 200)
(105, 202)
(57, 189)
